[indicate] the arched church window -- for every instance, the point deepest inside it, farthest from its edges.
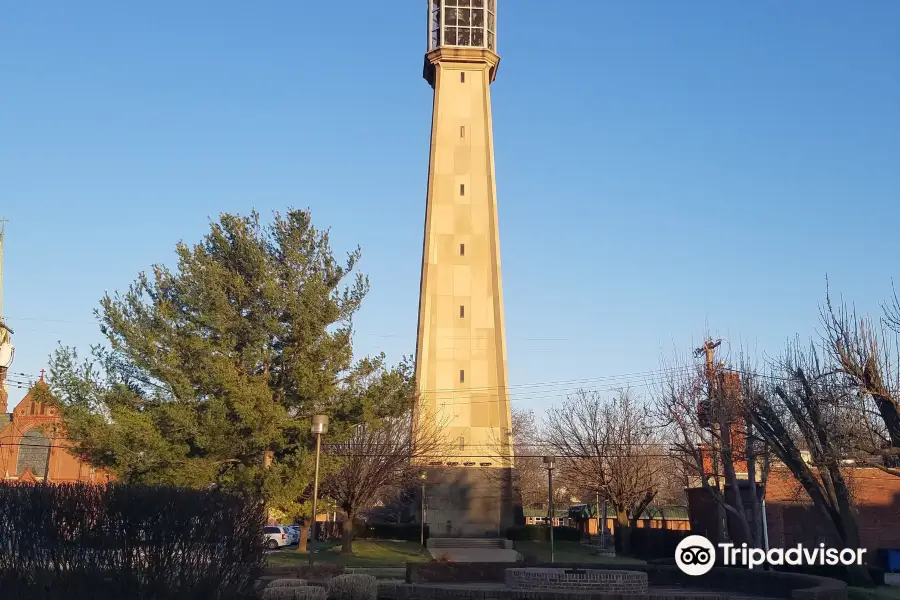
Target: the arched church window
(34, 450)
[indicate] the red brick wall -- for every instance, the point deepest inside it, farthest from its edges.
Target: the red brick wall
(792, 519)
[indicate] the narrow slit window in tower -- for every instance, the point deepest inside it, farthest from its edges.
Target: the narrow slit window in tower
(462, 77)
(462, 311)
(462, 376)
(462, 443)
(462, 249)
(462, 131)
(462, 189)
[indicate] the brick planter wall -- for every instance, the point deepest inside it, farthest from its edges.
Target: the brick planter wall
(793, 586)
(586, 580)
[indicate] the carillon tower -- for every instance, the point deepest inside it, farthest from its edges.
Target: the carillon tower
(461, 371)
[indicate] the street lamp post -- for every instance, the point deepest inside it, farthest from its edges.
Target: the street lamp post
(423, 477)
(319, 428)
(548, 464)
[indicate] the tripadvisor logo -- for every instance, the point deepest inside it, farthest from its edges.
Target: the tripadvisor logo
(696, 555)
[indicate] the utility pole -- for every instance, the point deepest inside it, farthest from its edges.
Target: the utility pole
(707, 349)
(713, 412)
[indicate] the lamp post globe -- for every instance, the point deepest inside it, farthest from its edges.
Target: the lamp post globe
(319, 425)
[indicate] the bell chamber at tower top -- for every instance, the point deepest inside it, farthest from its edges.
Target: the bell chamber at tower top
(469, 23)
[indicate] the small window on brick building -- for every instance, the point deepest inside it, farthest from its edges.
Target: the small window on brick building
(462, 189)
(462, 376)
(462, 311)
(462, 249)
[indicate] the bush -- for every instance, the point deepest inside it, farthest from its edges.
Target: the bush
(408, 532)
(353, 587)
(76, 541)
(649, 544)
(287, 583)
(838, 572)
(294, 593)
(541, 533)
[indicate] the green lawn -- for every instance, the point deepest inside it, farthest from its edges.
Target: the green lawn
(374, 553)
(571, 552)
(366, 553)
(884, 592)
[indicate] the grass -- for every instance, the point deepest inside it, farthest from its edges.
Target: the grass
(569, 552)
(374, 553)
(884, 592)
(366, 553)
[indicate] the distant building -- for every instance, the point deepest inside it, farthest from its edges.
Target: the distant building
(33, 443)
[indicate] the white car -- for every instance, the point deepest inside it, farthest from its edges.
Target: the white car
(293, 533)
(276, 536)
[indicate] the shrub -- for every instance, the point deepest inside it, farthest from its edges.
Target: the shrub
(77, 541)
(541, 533)
(838, 572)
(287, 583)
(353, 587)
(647, 543)
(294, 593)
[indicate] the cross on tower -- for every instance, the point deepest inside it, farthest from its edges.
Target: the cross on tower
(42, 374)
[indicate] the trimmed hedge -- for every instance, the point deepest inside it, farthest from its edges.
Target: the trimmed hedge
(837, 572)
(408, 532)
(541, 533)
(76, 541)
(647, 543)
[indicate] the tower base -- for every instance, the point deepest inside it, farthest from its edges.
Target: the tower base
(471, 502)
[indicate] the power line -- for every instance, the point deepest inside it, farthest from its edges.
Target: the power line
(524, 390)
(435, 457)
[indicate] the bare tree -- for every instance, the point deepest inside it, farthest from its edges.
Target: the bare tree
(382, 458)
(607, 446)
(672, 480)
(527, 452)
(867, 355)
(809, 407)
(702, 412)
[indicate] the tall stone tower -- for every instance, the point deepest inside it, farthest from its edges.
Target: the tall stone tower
(461, 371)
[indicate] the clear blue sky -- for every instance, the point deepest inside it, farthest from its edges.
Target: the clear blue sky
(663, 167)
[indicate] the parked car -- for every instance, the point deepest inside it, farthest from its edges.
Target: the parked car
(294, 532)
(276, 536)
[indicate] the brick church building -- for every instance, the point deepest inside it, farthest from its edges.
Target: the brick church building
(33, 444)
